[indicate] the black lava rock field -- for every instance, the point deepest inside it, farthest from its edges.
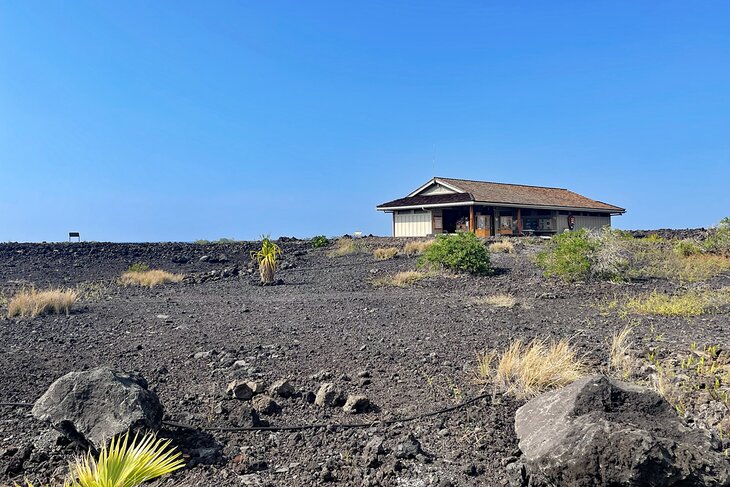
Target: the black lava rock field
(409, 351)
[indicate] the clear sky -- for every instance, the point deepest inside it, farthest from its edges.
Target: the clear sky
(155, 121)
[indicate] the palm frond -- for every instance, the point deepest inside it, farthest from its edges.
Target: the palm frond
(267, 258)
(127, 464)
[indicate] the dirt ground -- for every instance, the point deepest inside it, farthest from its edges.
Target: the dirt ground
(409, 350)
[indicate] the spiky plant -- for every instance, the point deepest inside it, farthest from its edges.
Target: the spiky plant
(124, 463)
(267, 258)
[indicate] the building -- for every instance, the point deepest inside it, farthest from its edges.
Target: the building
(446, 205)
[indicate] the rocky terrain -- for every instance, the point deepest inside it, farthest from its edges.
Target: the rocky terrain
(217, 347)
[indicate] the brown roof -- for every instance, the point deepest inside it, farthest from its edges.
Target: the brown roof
(511, 194)
(434, 199)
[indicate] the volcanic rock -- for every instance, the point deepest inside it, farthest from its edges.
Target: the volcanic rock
(93, 406)
(282, 388)
(264, 404)
(328, 395)
(240, 390)
(603, 432)
(356, 404)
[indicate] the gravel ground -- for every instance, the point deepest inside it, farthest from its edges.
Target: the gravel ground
(408, 350)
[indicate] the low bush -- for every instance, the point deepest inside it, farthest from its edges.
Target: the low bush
(719, 241)
(345, 246)
(412, 249)
(30, 302)
(528, 369)
(461, 252)
(504, 246)
(320, 241)
(497, 300)
(401, 279)
(149, 278)
(687, 247)
(385, 253)
(568, 255)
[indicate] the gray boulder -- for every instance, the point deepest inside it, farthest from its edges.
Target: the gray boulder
(93, 406)
(603, 432)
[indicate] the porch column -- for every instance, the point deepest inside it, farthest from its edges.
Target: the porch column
(472, 223)
(519, 222)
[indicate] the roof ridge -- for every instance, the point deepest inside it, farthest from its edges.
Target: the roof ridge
(503, 184)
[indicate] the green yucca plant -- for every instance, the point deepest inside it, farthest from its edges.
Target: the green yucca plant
(267, 258)
(124, 464)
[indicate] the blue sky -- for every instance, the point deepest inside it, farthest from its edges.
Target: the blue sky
(156, 121)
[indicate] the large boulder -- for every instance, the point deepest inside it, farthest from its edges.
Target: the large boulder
(93, 406)
(603, 432)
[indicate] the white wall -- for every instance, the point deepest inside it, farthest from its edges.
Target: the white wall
(412, 224)
(435, 189)
(590, 222)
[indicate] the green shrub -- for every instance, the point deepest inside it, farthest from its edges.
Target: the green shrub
(685, 248)
(138, 267)
(719, 241)
(612, 257)
(320, 241)
(568, 255)
(459, 252)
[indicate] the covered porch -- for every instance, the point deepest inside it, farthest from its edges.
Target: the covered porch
(488, 221)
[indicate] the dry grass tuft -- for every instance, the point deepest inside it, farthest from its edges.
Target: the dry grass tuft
(690, 268)
(412, 249)
(345, 246)
(497, 300)
(385, 253)
(527, 370)
(503, 246)
(693, 303)
(620, 360)
(149, 278)
(401, 279)
(31, 303)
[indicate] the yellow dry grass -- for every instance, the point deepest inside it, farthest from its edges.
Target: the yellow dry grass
(401, 279)
(411, 249)
(691, 268)
(345, 246)
(30, 302)
(528, 369)
(693, 303)
(504, 246)
(497, 300)
(385, 253)
(149, 278)
(620, 361)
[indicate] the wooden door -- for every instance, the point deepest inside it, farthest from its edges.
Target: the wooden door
(482, 226)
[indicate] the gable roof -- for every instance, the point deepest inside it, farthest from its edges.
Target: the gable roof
(485, 192)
